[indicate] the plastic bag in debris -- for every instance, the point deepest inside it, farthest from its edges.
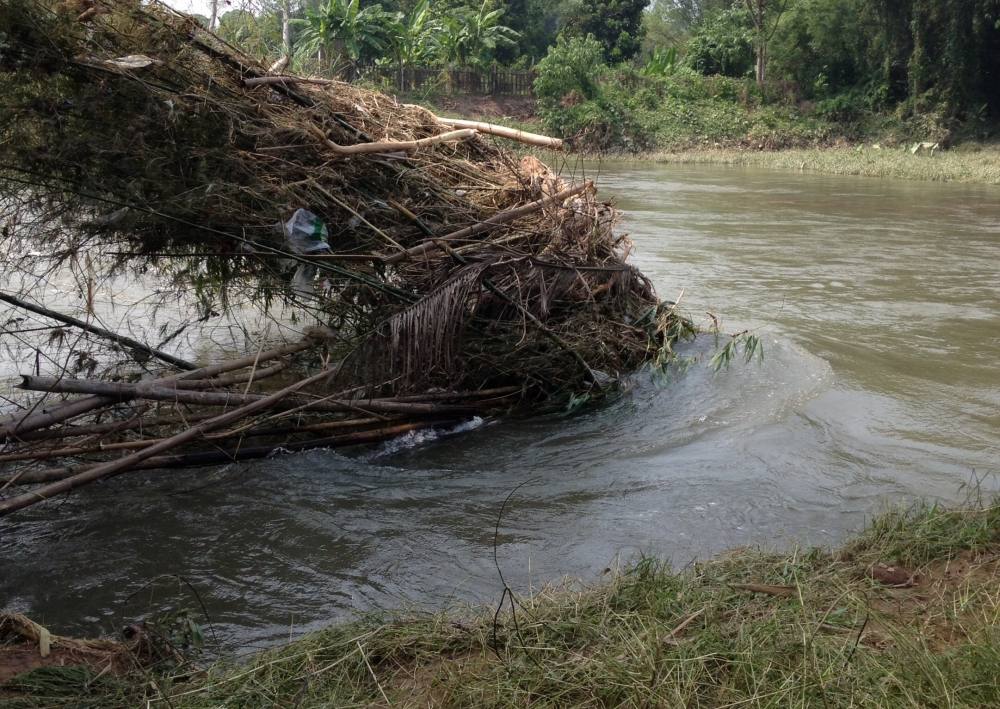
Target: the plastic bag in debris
(306, 234)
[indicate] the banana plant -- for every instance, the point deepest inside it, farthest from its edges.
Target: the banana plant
(342, 26)
(471, 40)
(413, 38)
(661, 63)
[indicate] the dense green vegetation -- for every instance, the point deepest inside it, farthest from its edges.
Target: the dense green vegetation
(630, 75)
(907, 614)
(761, 74)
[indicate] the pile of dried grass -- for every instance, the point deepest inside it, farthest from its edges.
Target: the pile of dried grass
(26, 646)
(133, 134)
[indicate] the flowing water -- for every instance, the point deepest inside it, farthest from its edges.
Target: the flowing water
(879, 306)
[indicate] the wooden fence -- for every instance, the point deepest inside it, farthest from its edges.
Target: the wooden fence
(488, 82)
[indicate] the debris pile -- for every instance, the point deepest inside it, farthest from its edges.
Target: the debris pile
(449, 277)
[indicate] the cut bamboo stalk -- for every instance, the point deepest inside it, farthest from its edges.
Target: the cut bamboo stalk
(460, 395)
(284, 81)
(116, 467)
(491, 223)
(540, 141)
(49, 453)
(156, 392)
(214, 457)
(11, 427)
(97, 429)
(43, 417)
(309, 341)
(99, 331)
(160, 421)
(254, 375)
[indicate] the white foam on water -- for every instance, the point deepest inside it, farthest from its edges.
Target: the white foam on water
(412, 439)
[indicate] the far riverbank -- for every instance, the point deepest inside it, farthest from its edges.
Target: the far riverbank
(966, 162)
(971, 163)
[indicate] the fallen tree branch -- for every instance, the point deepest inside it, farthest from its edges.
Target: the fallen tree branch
(391, 146)
(253, 432)
(540, 141)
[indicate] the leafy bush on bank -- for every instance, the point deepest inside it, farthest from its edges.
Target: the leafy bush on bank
(619, 109)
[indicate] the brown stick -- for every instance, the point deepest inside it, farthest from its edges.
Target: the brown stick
(285, 80)
(97, 429)
(159, 421)
(41, 418)
(494, 221)
(541, 141)
(226, 380)
(250, 360)
(12, 426)
(49, 453)
(116, 467)
(199, 458)
(155, 392)
(99, 331)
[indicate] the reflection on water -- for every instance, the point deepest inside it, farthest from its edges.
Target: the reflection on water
(879, 306)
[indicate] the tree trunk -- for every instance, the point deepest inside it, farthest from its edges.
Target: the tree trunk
(761, 69)
(286, 27)
(214, 19)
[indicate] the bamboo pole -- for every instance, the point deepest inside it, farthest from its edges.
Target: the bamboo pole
(254, 375)
(35, 419)
(121, 465)
(535, 139)
(58, 475)
(14, 425)
(160, 421)
(284, 80)
(96, 429)
(494, 221)
(153, 391)
(99, 331)
(49, 453)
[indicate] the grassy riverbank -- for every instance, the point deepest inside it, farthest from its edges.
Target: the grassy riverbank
(788, 142)
(970, 163)
(907, 614)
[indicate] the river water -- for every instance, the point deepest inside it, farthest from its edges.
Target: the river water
(879, 306)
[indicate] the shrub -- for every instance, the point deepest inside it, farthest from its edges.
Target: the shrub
(574, 64)
(723, 44)
(576, 103)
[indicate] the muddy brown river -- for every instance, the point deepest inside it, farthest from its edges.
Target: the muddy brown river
(878, 303)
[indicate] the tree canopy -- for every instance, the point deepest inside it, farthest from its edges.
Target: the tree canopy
(929, 55)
